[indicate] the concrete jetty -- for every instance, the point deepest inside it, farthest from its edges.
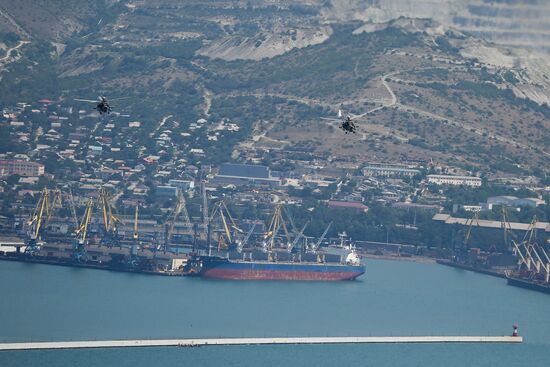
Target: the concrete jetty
(257, 341)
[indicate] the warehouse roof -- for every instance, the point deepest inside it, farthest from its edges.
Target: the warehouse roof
(545, 226)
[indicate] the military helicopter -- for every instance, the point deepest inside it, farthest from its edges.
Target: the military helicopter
(102, 105)
(347, 122)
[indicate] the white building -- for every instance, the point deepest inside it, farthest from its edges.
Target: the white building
(515, 202)
(454, 180)
(184, 185)
(20, 167)
(389, 171)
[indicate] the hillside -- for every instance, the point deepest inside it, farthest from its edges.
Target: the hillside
(275, 68)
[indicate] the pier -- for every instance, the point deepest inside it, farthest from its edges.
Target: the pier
(257, 341)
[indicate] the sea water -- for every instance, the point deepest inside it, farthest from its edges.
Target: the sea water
(44, 303)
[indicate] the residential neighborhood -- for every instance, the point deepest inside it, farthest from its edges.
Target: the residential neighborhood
(62, 145)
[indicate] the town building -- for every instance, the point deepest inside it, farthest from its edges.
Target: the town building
(183, 185)
(389, 171)
(354, 205)
(10, 167)
(166, 191)
(515, 202)
(454, 180)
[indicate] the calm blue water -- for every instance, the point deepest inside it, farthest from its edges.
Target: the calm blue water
(39, 302)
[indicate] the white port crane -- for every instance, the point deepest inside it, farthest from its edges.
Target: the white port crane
(315, 247)
(243, 243)
(298, 236)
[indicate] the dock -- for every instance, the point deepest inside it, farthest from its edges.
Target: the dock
(140, 343)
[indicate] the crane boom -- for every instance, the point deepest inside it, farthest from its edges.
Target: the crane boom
(225, 227)
(291, 221)
(73, 209)
(54, 200)
(136, 224)
(543, 251)
(275, 232)
(531, 255)
(204, 205)
(318, 243)
(246, 238)
(475, 218)
(185, 213)
(40, 213)
(233, 223)
(227, 222)
(506, 226)
(180, 208)
(298, 236)
(271, 227)
(82, 230)
(108, 211)
(520, 253)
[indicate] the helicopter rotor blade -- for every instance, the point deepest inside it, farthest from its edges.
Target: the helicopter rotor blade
(355, 117)
(85, 100)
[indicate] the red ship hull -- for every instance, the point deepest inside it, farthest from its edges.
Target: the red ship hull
(243, 270)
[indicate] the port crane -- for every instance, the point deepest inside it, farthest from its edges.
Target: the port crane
(241, 244)
(133, 261)
(474, 219)
(79, 246)
(292, 246)
(507, 228)
(73, 208)
(109, 216)
(541, 263)
(545, 264)
(136, 233)
(229, 226)
(290, 220)
(268, 246)
(41, 217)
(315, 247)
(530, 252)
(180, 208)
(205, 217)
(55, 202)
(523, 252)
(463, 252)
(277, 221)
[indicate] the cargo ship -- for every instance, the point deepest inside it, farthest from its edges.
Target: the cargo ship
(218, 267)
